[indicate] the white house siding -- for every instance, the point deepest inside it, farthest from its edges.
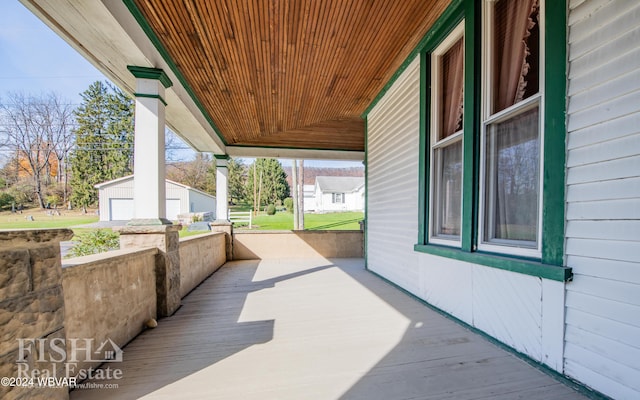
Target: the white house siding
(309, 202)
(352, 202)
(179, 193)
(327, 204)
(602, 339)
(506, 305)
(200, 202)
(392, 179)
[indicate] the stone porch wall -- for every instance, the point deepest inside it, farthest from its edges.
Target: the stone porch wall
(31, 307)
(200, 256)
(108, 296)
(297, 244)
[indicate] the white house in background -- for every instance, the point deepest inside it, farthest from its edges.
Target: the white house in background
(339, 193)
(309, 198)
(116, 199)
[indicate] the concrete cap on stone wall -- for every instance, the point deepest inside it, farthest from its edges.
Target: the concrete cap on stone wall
(142, 229)
(21, 238)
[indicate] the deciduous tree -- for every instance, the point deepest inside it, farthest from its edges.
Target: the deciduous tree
(35, 129)
(198, 173)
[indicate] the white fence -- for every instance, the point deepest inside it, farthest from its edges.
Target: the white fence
(238, 217)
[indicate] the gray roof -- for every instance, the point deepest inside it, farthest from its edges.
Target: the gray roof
(339, 184)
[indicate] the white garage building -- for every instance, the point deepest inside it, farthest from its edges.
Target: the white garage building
(116, 199)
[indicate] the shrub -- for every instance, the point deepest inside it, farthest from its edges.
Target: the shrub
(271, 209)
(53, 200)
(94, 241)
(6, 200)
(22, 192)
(288, 204)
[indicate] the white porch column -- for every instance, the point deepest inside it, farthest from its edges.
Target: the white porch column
(149, 197)
(222, 188)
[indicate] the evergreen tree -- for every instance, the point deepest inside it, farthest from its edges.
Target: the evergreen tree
(104, 140)
(270, 182)
(237, 181)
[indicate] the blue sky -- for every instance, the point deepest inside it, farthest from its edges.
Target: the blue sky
(34, 60)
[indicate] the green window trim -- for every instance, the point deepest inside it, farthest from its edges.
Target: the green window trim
(550, 265)
(500, 261)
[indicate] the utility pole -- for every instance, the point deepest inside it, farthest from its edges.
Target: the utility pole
(301, 197)
(260, 190)
(255, 188)
(294, 181)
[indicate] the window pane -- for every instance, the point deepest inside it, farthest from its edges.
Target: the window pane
(512, 179)
(448, 189)
(451, 94)
(516, 52)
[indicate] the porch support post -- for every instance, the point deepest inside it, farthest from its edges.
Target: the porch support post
(149, 197)
(167, 268)
(222, 223)
(149, 226)
(222, 187)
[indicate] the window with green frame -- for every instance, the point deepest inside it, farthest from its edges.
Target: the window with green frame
(507, 155)
(445, 131)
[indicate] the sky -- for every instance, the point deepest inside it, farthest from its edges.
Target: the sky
(34, 60)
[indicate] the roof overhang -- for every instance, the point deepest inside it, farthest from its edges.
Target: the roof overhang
(109, 37)
(272, 79)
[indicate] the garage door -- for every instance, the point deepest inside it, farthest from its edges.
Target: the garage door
(120, 209)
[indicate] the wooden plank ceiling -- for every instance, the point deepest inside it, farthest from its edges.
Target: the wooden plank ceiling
(289, 73)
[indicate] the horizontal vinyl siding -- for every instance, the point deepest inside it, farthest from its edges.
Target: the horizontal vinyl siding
(602, 345)
(201, 203)
(508, 306)
(173, 191)
(392, 171)
(505, 305)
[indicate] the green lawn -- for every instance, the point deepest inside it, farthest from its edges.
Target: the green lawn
(330, 221)
(279, 221)
(43, 221)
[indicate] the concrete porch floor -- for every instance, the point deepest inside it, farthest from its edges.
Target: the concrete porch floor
(315, 329)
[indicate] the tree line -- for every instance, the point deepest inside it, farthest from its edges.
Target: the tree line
(52, 154)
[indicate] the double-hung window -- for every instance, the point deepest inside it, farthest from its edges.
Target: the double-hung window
(447, 79)
(493, 85)
(511, 157)
(337, 198)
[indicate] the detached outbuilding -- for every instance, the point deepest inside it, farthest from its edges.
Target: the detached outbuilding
(116, 199)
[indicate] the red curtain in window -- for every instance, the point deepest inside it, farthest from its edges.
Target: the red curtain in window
(512, 27)
(452, 90)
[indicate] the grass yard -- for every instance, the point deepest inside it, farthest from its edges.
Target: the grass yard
(329, 221)
(280, 221)
(41, 220)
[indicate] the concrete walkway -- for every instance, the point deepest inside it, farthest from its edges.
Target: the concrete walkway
(315, 329)
(102, 224)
